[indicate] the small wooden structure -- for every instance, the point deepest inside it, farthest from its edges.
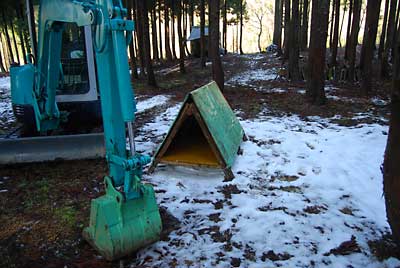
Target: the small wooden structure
(194, 39)
(205, 133)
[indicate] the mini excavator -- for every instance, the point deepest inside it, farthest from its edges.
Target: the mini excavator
(126, 218)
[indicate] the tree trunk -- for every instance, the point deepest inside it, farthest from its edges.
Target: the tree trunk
(132, 61)
(2, 68)
(260, 34)
(8, 40)
(218, 73)
(154, 40)
(191, 14)
(20, 15)
(173, 48)
(332, 24)
(160, 31)
(395, 32)
(348, 33)
(389, 34)
(168, 52)
(341, 25)
(316, 60)
(224, 25)
(140, 37)
(304, 28)
(142, 6)
(202, 35)
(14, 42)
(180, 37)
(391, 167)
(277, 39)
(241, 27)
(185, 28)
(371, 28)
(335, 39)
(353, 42)
(384, 28)
(287, 30)
(32, 28)
(294, 71)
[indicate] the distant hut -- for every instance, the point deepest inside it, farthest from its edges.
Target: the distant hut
(194, 40)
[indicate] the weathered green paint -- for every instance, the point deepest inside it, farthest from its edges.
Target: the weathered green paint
(119, 227)
(220, 120)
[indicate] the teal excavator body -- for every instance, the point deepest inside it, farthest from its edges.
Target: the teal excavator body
(126, 218)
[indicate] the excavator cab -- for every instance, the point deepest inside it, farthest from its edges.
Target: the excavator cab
(77, 91)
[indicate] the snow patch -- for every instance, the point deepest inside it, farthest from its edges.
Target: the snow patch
(301, 189)
(247, 78)
(147, 104)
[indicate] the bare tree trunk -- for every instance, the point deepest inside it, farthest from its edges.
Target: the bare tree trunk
(294, 71)
(335, 40)
(160, 31)
(142, 6)
(287, 30)
(353, 42)
(173, 48)
(2, 68)
(391, 167)
(371, 28)
(388, 44)
(14, 42)
(341, 25)
(140, 37)
(185, 28)
(132, 61)
(180, 37)
(218, 73)
(260, 34)
(346, 52)
(277, 39)
(6, 56)
(395, 32)
(304, 28)
(241, 28)
(383, 33)
(154, 40)
(224, 25)
(202, 35)
(8, 40)
(168, 52)
(32, 28)
(191, 14)
(20, 16)
(332, 22)
(316, 59)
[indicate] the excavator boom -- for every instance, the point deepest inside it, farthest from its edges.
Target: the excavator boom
(126, 218)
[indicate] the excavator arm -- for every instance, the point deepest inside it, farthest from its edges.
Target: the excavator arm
(126, 217)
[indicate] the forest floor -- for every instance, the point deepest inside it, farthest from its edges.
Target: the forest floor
(307, 190)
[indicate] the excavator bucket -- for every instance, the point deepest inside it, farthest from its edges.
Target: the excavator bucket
(119, 227)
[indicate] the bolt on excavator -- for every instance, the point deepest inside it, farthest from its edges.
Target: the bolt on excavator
(126, 218)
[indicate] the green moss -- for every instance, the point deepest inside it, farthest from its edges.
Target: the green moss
(66, 215)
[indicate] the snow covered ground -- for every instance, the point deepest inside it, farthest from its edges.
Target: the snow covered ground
(149, 103)
(246, 78)
(6, 115)
(301, 190)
